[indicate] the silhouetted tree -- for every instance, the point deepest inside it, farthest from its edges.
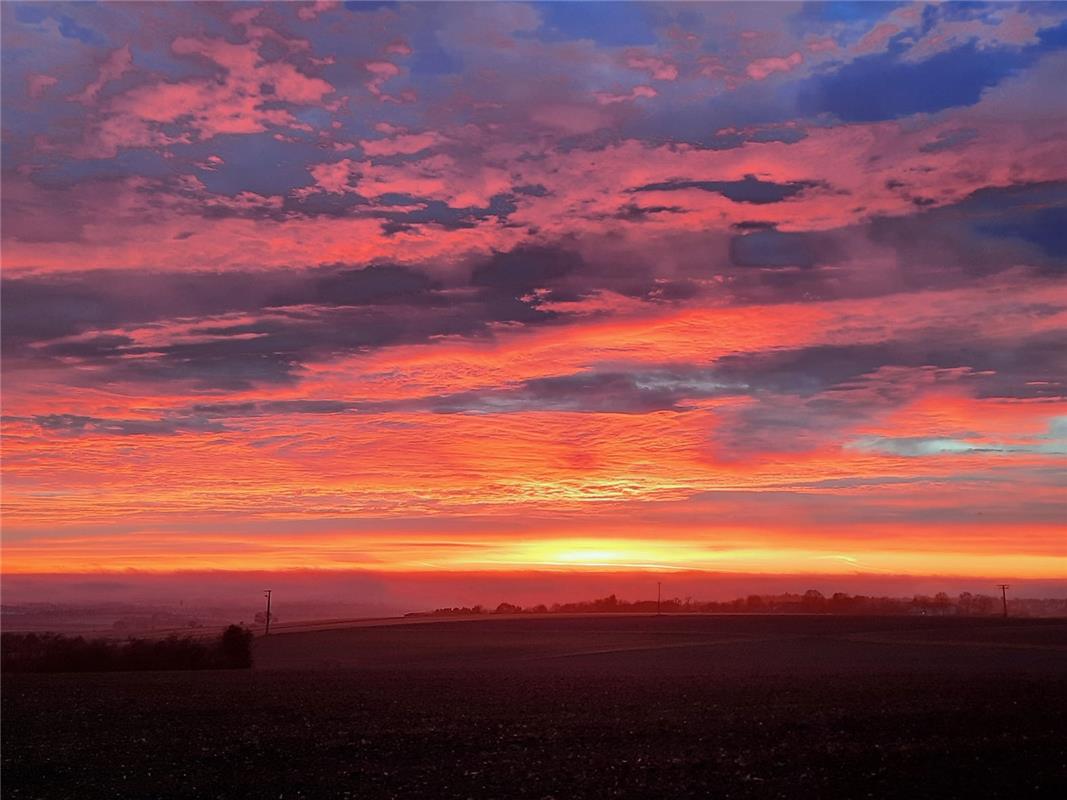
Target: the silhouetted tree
(841, 602)
(236, 647)
(966, 603)
(50, 652)
(984, 604)
(609, 603)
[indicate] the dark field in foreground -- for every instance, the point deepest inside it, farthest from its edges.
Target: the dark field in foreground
(569, 707)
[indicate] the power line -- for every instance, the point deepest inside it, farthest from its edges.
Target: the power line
(1004, 597)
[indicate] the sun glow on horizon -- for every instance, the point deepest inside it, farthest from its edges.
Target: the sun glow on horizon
(338, 553)
(625, 555)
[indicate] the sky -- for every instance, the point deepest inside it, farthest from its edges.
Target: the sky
(520, 289)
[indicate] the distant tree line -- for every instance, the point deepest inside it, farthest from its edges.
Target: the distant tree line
(52, 652)
(810, 602)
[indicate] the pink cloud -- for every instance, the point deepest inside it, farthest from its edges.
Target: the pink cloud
(610, 98)
(245, 18)
(713, 67)
(825, 44)
(660, 69)
(1005, 27)
(402, 143)
(211, 163)
(37, 84)
(1018, 140)
(310, 12)
(877, 38)
(333, 178)
(585, 192)
(105, 137)
(116, 63)
(398, 47)
(208, 107)
(763, 67)
(381, 71)
(436, 177)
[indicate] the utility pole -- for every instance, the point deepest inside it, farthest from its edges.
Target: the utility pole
(659, 595)
(1004, 597)
(266, 593)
